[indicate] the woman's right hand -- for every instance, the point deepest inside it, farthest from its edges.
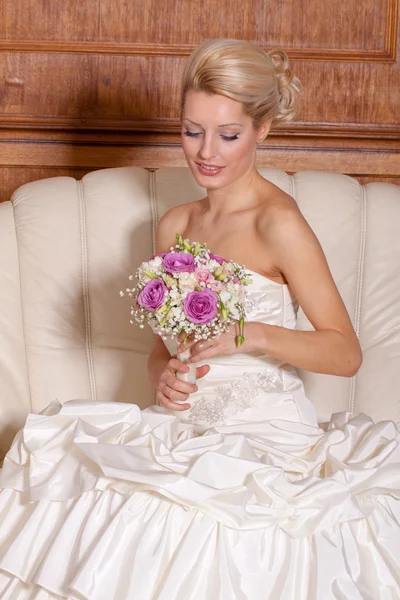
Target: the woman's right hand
(170, 389)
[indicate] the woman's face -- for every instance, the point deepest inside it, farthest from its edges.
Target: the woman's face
(218, 139)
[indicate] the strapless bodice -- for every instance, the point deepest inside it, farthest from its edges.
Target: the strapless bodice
(237, 384)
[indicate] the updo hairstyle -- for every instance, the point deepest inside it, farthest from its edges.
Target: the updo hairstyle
(262, 81)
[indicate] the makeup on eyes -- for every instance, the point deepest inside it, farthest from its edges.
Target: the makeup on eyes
(227, 138)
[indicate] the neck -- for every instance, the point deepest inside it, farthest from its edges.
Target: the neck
(239, 195)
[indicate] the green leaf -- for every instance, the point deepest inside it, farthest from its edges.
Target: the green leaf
(151, 275)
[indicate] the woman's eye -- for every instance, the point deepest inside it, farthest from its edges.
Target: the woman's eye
(191, 133)
(230, 138)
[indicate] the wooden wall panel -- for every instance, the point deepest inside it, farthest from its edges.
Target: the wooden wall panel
(372, 178)
(83, 91)
(91, 84)
(298, 24)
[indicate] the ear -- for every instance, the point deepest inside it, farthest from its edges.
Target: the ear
(263, 131)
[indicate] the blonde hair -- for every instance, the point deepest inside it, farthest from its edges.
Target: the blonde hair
(262, 81)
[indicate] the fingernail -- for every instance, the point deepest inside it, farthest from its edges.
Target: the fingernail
(187, 369)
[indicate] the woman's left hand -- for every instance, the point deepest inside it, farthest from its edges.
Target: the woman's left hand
(222, 345)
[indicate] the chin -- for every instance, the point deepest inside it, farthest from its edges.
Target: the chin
(214, 184)
(209, 182)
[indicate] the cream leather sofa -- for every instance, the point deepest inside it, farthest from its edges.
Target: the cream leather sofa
(67, 248)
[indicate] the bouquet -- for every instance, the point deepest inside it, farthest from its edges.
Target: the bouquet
(189, 290)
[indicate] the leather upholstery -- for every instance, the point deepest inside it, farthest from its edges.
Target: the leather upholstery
(67, 248)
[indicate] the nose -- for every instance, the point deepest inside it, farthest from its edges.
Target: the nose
(208, 148)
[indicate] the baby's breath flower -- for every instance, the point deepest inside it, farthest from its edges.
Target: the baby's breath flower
(170, 319)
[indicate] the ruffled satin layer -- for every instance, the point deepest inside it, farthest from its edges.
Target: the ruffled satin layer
(102, 501)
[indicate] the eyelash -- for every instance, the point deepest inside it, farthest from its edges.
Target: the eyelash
(224, 137)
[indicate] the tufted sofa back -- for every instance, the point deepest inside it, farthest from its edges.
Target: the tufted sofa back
(67, 247)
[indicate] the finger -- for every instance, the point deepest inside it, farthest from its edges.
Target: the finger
(178, 365)
(171, 405)
(173, 394)
(189, 344)
(161, 399)
(201, 371)
(184, 335)
(204, 354)
(177, 384)
(202, 346)
(200, 349)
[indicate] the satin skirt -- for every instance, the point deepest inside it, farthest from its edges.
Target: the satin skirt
(102, 501)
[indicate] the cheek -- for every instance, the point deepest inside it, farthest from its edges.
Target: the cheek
(240, 150)
(190, 145)
(185, 145)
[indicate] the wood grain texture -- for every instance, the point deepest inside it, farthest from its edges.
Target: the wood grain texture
(91, 84)
(100, 91)
(112, 149)
(377, 161)
(387, 55)
(292, 24)
(364, 179)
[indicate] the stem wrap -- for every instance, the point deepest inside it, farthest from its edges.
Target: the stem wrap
(190, 376)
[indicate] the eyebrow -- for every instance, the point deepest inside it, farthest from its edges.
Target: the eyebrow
(225, 125)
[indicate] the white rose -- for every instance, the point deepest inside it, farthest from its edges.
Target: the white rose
(211, 265)
(157, 261)
(237, 291)
(175, 295)
(225, 297)
(187, 282)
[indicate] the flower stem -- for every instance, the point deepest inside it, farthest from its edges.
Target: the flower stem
(240, 337)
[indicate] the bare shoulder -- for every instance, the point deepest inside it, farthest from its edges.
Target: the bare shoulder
(174, 221)
(286, 236)
(281, 213)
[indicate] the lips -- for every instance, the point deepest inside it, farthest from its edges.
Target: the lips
(209, 170)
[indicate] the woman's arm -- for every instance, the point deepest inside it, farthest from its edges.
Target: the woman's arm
(158, 360)
(318, 351)
(333, 347)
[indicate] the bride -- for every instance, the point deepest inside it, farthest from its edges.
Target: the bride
(227, 489)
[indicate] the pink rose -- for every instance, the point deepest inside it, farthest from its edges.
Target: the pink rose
(201, 307)
(152, 296)
(214, 285)
(203, 275)
(178, 262)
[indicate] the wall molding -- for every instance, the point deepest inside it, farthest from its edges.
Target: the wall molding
(171, 127)
(387, 54)
(381, 160)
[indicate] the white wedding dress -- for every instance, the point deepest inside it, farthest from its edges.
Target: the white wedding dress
(242, 497)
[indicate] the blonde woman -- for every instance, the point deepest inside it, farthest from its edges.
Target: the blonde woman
(228, 489)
